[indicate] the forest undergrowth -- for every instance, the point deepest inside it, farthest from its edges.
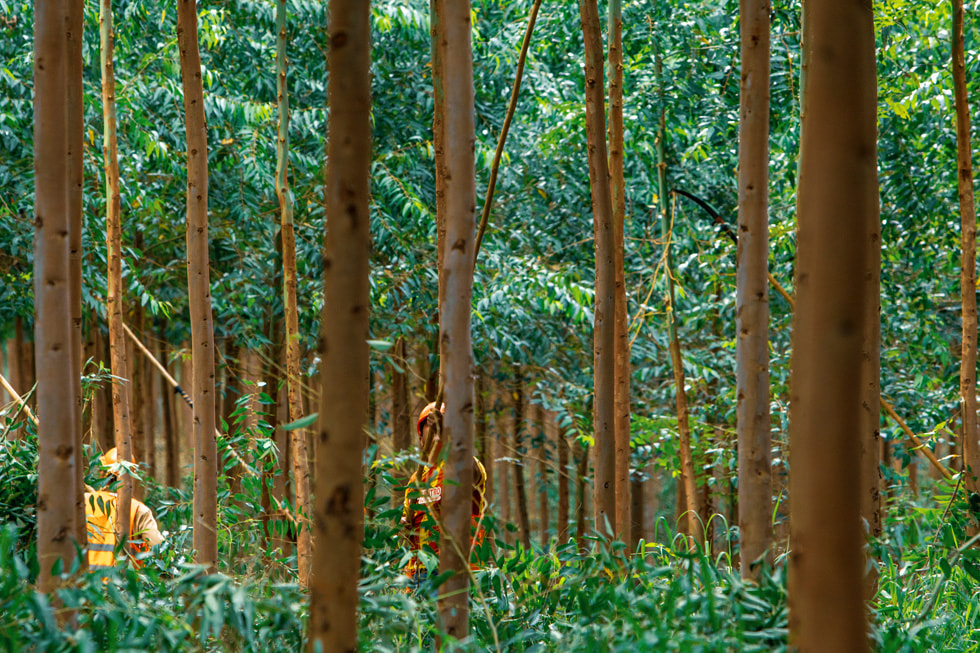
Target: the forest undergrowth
(600, 597)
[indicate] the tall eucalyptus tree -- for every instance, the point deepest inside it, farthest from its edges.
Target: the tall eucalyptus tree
(338, 517)
(752, 311)
(115, 309)
(58, 451)
(968, 259)
(301, 464)
(199, 291)
(836, 202)
(605, 277)
(76, 119)
(455, 307)
(621, 347)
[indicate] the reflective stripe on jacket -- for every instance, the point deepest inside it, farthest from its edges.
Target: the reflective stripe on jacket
(100, 515)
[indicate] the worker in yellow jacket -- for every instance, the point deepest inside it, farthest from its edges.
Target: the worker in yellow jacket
(100, 515)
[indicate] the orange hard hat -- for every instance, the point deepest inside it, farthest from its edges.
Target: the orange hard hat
(424, 415)
(110, 458)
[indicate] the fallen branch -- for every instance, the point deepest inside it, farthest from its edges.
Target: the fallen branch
(21, 402)
(180, 391)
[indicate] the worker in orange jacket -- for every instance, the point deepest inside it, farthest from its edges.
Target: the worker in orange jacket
(423, 496)
(100, 515)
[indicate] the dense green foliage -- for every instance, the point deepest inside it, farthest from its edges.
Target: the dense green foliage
(559, 599)
(532, 306)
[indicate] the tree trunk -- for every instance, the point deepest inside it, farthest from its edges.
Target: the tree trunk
(563, 475)
(115, 308)
(437, 34)
(338, 525)
(171, 406)
(968, 260)
(153, 384)
(206, 459)
(752, 300)
(870, 416)
(456, 350)
(605, 277)
(837, 183)
(582, 456)
(617, 187)
(75, 124)
(544, 514)
(58, 451)
(301, 465)
(401, 422)
(520, 453)
(506, 470)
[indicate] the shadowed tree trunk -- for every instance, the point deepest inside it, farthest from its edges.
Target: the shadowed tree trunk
(968, 260)
(835, 204)
(752, 301)
(301, 465)
(520, 453)
(76, 127)
(437, 34)
(582, 470)
(172, 435)
(114, 299)
(199, 291)
(58, 452)
(605, 277)
(544, 514)
(401, 422)
(617, 186)
(338, 526)
(563, 475)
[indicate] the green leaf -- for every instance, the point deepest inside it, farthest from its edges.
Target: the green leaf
(301, 423)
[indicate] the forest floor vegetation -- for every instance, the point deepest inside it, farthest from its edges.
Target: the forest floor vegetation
(598, 598)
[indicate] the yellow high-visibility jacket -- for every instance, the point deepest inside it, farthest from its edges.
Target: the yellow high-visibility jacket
(100, 515)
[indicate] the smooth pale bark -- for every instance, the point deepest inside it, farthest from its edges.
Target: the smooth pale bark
(835, 203)
(115, 309)
(752, 293)
(617, 187)
(456, 348)
(605, 277)
(58, 453)
(968, 259)
(206, 459)
(301, 464)
(76, 126)
(338, 526)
